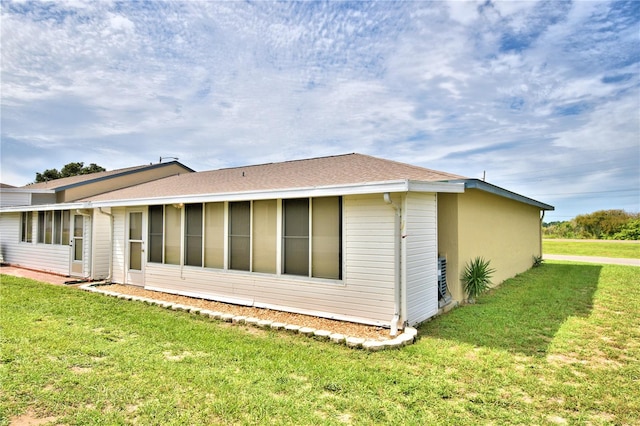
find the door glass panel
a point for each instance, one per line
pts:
(77, 226)
(135, 226)
(135, 241)
(135, 256)
(78, 222)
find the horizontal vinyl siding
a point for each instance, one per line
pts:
(287, 293)
(119, 244)
(366, 293)
(52, 258)
(14, 199)
(101, 245)
(421, 257)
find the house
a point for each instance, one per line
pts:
(349, 237)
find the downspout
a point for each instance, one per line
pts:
(541, 220)
(110, 274)
(397, 275)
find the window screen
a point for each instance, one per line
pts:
(296, 236)
(26, 232)
(239, 235)
(193, 234)
(155, 233)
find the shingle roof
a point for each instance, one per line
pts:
(323, 171)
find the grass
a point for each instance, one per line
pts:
(620, 249)
(557, 344)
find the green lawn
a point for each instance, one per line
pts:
(621, 249)
(560, 343)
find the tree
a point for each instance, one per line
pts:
(71, 169)
(603, 224)
(631, 231)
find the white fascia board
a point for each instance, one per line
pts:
(46, 207)
(28, 191)
(318, 191)
(422, 186)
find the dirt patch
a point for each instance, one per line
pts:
(342, 327)
(30, 419)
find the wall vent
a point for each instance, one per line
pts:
(444, 297)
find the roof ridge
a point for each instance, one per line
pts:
(284, 162)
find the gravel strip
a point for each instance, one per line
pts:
(302, 321)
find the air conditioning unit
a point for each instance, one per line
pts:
(444, 297)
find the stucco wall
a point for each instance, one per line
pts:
(477, 223)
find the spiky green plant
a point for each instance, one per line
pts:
(476, 277)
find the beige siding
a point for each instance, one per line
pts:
(52, 258)
(477, 223)
(420, 257)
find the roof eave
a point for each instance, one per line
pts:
(316, 191)
(496, 190)
(46, 207)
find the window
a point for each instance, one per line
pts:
(193, 235)
(66, 224)
(311, 236)
(156, 234)
(165, 234)
(53, 227)
(57, 227)
(26, 227)
(296, 236)
(324, 242)
(239, 235)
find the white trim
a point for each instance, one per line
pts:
(402, 185)
(28, 191)
(46, 207)
(306, 192)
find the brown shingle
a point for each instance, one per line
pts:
(323, 171)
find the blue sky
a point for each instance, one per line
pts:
(542, 97)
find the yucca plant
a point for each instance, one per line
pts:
(476, 277)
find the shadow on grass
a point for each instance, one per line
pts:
(525, 312)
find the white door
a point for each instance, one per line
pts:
(136, 258)
(77, 246)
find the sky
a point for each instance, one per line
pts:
(538, 97)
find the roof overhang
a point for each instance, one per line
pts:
(27, 191)
(45, 207)
(316, 191)
(496, 190)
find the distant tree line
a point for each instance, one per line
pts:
(601, 225)
(71, 169)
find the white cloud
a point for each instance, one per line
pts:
(507, 87)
